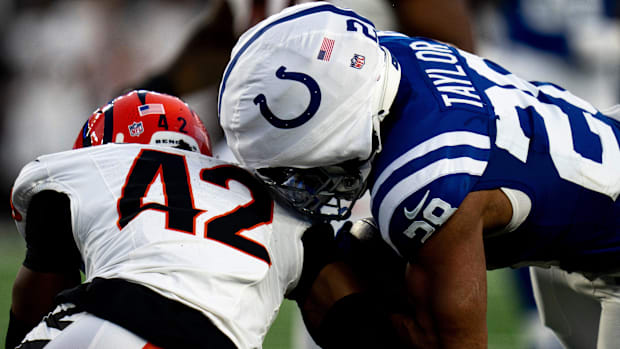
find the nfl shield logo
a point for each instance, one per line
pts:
(358, 61)
(136, 129)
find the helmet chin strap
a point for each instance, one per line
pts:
(386, 93)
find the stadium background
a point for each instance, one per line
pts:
(63, 58)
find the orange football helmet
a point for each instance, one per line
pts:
(146, 117)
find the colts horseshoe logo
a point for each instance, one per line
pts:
(315, 100)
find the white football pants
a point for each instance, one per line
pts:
(583, 313)
(80, 331)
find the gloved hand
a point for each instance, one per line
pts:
(373, 261)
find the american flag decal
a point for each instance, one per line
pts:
(148, 109)
(325, 51)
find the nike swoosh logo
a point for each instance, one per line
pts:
(412, 214)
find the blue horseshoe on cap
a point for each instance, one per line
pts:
(315, 100)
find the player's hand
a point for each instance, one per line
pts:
(374, 262)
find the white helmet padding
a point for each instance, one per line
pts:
(306, 88)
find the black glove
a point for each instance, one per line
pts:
(374, 262)
(319, 250)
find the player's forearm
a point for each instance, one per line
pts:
(340, 313)
(202, 60)
(34, 292)
(334, 282)
(445, 20)
(464, 332)
(17, 330)
(447, 279)
(32, 298)
(459, 313)
(448, 317)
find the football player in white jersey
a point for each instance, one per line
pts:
(178, 249)
(469, 166)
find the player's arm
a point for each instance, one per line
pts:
(444, 20)
(202, 60)
(382, 273)
(447, 279)
(52, 263)
(338, 310)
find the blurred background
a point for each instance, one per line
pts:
(62, 59)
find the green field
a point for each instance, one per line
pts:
(504, 318)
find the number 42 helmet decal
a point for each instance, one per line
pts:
(146, 117)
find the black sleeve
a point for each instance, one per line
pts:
(319, 250)
(49, 237)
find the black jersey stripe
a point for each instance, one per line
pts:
(142, 96)
(108, 127)
(56, 321)
(86, 135)
(35, 344)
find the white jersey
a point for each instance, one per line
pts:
(189, 227)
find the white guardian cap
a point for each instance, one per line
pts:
(301, 102)
(306, 88)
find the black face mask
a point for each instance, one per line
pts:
(325, 193)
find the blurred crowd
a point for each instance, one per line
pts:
(62, 59)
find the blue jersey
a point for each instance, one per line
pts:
(551, 26)
(461, 123)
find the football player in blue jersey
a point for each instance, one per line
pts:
(469, 167)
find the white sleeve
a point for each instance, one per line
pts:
(27, 184)
(521, 207)
(613, 112)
